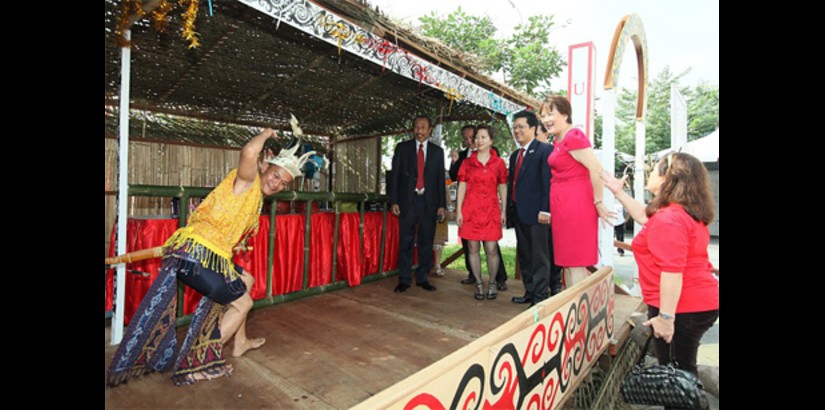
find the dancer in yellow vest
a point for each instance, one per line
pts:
(200, 255)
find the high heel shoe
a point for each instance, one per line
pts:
(479, 292)
(491, 290)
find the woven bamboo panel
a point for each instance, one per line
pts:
(356, 165)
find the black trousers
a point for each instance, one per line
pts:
(501, 276)
(533, 258)
(406, 234)
(555, 270)
(619, 229)
(688, 331)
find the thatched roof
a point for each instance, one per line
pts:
(253, 72)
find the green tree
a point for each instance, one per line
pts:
(528, 59)
(703, 113)
(525, 59)
(464, 32)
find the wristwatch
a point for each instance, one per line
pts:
(666, 316)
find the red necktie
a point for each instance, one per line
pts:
(518, 167)
(419, 184)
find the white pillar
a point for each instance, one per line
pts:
(122, 189)
(678, 119)
(605, 157)
(608, 160)
(639, 172)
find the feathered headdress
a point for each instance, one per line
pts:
(286, 159)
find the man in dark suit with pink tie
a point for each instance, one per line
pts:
(417, 196)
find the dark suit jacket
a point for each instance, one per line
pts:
(533, 185)
(456, 165)
(405, 174)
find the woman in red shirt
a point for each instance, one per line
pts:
(482, 187)
(671, 251)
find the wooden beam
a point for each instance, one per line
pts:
(209, 117)
(168, 142)
(197, 64)
(361, 137)
(457, 254)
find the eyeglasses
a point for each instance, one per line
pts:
(521, 126)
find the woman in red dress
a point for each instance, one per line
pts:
(576, 192)
(482, 187)
(671, 250)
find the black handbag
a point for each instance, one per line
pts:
(663, 385)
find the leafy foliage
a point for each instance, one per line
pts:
(703, 113)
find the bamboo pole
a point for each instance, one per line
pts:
(332, 277)
(383, 238)
(307, 231)
(270, 256)
(361, 232)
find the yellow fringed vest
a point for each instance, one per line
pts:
(218, 224)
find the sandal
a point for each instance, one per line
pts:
(491, 291)
(479, 292)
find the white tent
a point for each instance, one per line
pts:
(706, 149)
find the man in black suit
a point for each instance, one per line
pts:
(417, 196)
(528, 207)
(555, 271)
(467, 133)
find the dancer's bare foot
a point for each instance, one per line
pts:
(240, 348)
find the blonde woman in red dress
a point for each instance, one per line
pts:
(482, 187)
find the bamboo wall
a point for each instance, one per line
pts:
(154, 163)
(356, 165)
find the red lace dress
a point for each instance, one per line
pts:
(480, 209)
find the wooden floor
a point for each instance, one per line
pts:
(337, 349)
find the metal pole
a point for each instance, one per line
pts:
(332, 277)
(307, 227)
(123, 188)
(270, 253)
(383, 239)
(361, 232)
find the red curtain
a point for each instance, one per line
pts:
(254, 261)
(288, 269)
(320, 248)
(288, 266)
(152, 232)
(349, 261)
(391, 245)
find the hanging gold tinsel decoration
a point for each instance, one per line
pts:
(137, 5)
(189, 17)
(160, 19)
(160, 16)
(121, 25)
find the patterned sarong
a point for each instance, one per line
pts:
(150, 340)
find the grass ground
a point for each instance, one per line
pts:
(508, 254)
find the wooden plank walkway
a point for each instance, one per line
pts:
(337, 349)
